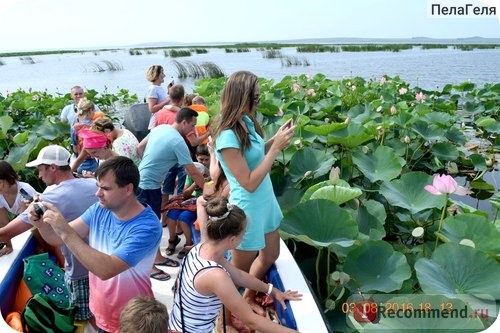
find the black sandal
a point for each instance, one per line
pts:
(171, 245)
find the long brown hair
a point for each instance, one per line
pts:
(238, 99)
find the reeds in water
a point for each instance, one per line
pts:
(27, 60)
(288, 61)
(178, 53)
(107, 65)
(271, 54)
(191, 69)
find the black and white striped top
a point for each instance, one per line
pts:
(200, 311)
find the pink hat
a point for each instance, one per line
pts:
(93, 140)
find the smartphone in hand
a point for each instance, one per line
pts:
(25, 195)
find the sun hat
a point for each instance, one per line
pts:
(93, 140)
(52, 154)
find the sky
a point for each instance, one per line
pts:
(31, 25)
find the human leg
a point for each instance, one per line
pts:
(186, 220)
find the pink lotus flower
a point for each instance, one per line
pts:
(420, 96)
(311, 92)
(309, 76)
(382, 80)
(295, 87)
(393, 110)
(445, 184)
(403, 91)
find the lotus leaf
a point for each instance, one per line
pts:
(458, 269)
(371, 217)
(337, 194)
(6, 123)
(320, 223)
(428, 132)
(375, 265)
(325, 129)
(408, 192)
(383, 164)
(474, 227)
(445, 151)
(350, 137)
(310, 159)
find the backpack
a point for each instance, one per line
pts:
(42, 315)
(43, 275)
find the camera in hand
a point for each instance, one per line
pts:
(39, 208)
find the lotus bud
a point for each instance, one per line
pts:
(298, 143)
(335, 276)
(353, 87)
(365, 149)
(308, 174)
(327, 120)
(334, 175)
(347, 120)
(380, 130)
(467, 242)
(382, 80)
(407, 139)
(489, 162)
(418, 232)
(393, 110)
(344, 278)
(462, 125)
(379, 109)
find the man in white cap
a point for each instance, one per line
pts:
(72, 196)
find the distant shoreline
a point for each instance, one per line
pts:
(388, 44)
(415, 41)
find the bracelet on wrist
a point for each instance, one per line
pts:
(270, 289)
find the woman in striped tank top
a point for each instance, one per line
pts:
(207, 280)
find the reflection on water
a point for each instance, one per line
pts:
(429, 69)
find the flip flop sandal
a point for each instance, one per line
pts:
(171, 245)
(169, 263)
(156, 276)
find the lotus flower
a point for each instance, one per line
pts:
(295, 87)
(382, 80)
(420, 96)
(445, 184)
(393, 110)
(311, 92)
(403, 91)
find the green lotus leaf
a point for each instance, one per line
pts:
(458, 269)
(485, 121)
(315, 187)
(478, 161)
(382, 164)
(445, 151)
(428, 132)
(6, 123)
(337, 194)
(440, 118)
(309, 159)
(408, 192)
(20, 138)
(484, 234)
(320, 223)
(371, 217)
(325, 129)
(350, 137)
(375, 265)
(19, 156)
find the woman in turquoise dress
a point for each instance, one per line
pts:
(247, 160)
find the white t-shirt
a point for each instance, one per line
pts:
(14, 209)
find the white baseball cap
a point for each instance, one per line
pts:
(52, 154)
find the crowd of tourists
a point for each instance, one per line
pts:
(205, 178)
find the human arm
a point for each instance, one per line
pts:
(141, 147)
(154, 106)
(216, 281)
(79, 160)
(72, 235)
(251, 179)
(244, 279)
(13, 228)
(196, 140)
(193, 172)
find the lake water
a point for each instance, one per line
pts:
(428, 69)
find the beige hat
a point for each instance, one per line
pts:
(52, 154)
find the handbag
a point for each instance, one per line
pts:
(42, 275)
(42, 315)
